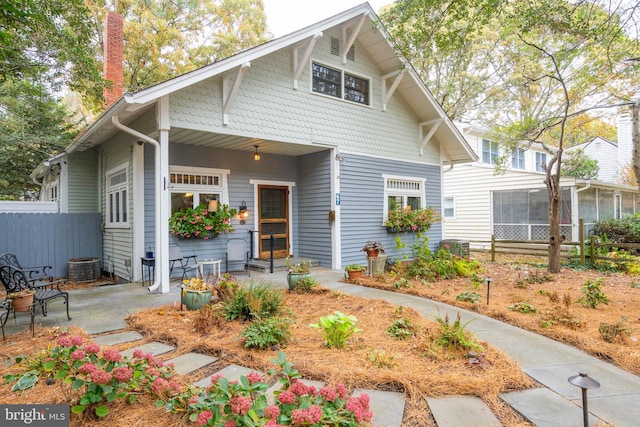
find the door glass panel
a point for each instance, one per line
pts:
(273, 203)
(280, 244)
(274, 227)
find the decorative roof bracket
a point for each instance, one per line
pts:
(352, 38)
(299, 65)
(227, 98)
(424, 141)
(386, 94)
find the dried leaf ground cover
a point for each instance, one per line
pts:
(522, 293)
(371, 359)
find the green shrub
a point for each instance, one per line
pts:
(625, 230)
(467, 296)
(336, 328)
(616, 332)
(401, 329)
(306, 284)
(453, 336)
(443, 264)
(523, 307)
(255, 301)
(266, 333)
(592, 295)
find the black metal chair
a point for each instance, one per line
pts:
(32, 272)
(15, 280)
(176, 260)
(237, 252)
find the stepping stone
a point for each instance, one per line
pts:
(154, 347)
(190, 362)
(118, 338)
(387, 407)
(231, 373)
(544, 408)
(464, 411)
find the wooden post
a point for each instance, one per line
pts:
(592, 255)
(493, 247)
(581, 240)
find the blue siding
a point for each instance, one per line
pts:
(362, 201)
(314, 200)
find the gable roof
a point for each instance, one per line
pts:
(594, 140)
(372, 36)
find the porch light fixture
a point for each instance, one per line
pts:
(585, 382)
(243, 212)
(256, 155)
(488, 280)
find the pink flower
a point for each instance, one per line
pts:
(230, 423)
(342, 391)
(87, 368)
(287, 397)
(214, 378)
(76, 340)
(203, 418)
(112, 355)
(99, 376)
(272, 412)
(65, 341)
(122, 373)
(254, 377)
(78, 355)
(240, 404)
(360, 408)
(329, 393)
(137, 353)
(310, 416)
(159, 386)
(92, 348)
(301, 389)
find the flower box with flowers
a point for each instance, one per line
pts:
(413, 221)
(199, 223)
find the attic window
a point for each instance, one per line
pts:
(340, 84)
(335, 49)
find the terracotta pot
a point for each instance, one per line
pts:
(372, 253)
(354, 274)
(22, 303)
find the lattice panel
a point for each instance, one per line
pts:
(511, 232)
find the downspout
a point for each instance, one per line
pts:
(156, 144)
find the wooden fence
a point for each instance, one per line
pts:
(51, 238)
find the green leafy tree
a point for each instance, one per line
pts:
(580, 165)
(33, 126)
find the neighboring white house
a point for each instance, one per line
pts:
(341, 124)
(479, 203)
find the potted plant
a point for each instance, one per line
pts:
(297, 272)
(196, 292)
(373, 249)
(354, 271)
(200, 223)
(21, 300)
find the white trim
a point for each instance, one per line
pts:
(398, 159)
(453, 198)
(336, 236)
(290, 185)
(138, 210)
(422, 193)
(117, 170)
(222, 188)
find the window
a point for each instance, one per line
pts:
(517, 159)
(337, 83)
(400, 192)
(541, 162)
(448, 207)
(489, 152)
(117, 202)
(191, 187)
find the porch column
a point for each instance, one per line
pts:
(138, 210)
(336, 236)
(163, 202)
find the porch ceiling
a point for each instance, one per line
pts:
(237, 142)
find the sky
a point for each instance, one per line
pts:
(286, 16)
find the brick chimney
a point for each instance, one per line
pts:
(113, 39)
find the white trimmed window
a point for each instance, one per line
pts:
(489, 152)
(517, 159)
(541, 161)
(449, 207)
(192, 186)
(400, 192)
(340, 84)
(117, 201)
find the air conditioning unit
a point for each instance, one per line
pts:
(456, 247)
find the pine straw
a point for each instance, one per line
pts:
(415, 373)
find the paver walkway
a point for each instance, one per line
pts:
(556, 403)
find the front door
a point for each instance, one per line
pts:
(273, 218)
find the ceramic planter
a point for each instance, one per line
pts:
(195, 299)
(22, 303)
(292, 278)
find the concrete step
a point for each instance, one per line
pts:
(154, 347)
(544, 408)
(387, 407)
(462, 411)
(117, 338)
(190, 362)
